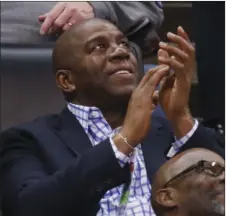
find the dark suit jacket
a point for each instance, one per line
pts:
(49, 167)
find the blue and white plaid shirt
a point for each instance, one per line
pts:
(97, 129)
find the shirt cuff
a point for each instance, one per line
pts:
(179, 143)
(122, 158)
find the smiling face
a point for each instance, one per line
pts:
(207, 193)
(104, 66)
(190, 183)
(202, 193)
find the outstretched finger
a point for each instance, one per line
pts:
(183, 44)
(61, 20)
(42, 18)
(183, 34)
(51, 17)
(174, 63)
(74, 19)
(175, 51)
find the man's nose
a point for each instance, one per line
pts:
(119, 54)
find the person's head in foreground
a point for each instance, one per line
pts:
(190, 184)
(101, 68)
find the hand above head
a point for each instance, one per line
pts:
(175, 88)
(63, 15)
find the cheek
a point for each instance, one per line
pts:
(205, 184)
(134, 61)
(94, 70)
(207, 187)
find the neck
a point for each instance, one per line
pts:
(176, 214)
(193, 213)
(113, 111)
(114, 118)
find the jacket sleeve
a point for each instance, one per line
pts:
(205, 138)
(139, 21)
(29, 188)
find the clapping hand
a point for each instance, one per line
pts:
(175, 88)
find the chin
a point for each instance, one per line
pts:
(121, 87)
(124, 91)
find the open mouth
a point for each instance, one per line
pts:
(122, 72)
(126, 70)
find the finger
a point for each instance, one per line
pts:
(70, 23)
(41, 18)
(149, 73)
(155, 99)
(183, 34)
(162, 53)
(167, 83)
(61, 20)
(173, 50)
(155, 78)
(51, 17)
(75, 19)
(185, 45)
(172, 62)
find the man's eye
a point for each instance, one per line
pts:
(125, 43)
(100, 46)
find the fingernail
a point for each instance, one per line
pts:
(161, 58)
(42, 32)
(162, 44)
(180, 27)
(170, 34)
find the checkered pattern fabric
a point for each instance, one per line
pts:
(97, 129)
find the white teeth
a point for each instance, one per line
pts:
(123, 72)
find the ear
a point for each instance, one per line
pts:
(64, 81)
(167, 197)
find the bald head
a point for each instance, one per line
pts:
(68, 44)
(180, 162)
(84, 59)
(197, 194)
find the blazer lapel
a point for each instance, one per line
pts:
(153, 149)
(72, 133)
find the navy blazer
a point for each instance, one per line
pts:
(50, 168)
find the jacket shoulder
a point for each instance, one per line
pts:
(38, 125)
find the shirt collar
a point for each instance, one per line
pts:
(85, 114)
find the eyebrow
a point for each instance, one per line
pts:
(97, 37)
